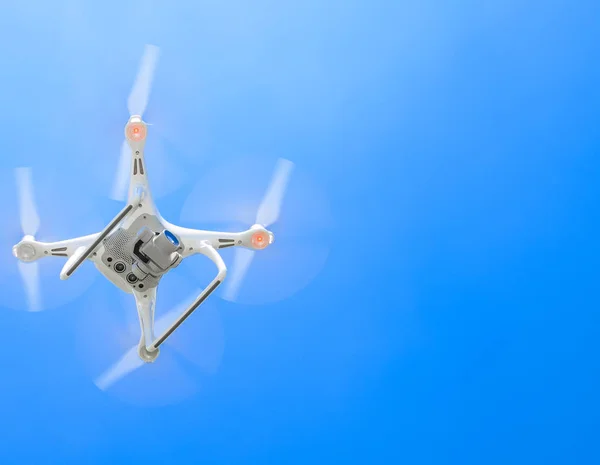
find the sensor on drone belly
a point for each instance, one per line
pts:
(136, 257)
(138, 247)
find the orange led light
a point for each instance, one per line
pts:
(136, 132)
(260, 240)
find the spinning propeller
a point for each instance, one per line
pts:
(268, 213)
(30, 223)
(29, 283)
(136, 104)
(108, 337)
(232, 197)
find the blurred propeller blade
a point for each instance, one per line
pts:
(30, 223)
(268, 211)
(166, 175)
(241, 263)
(131, 360)
(140, 93)
(128, 363)
(30, 220)
(136, 104)
(31, 281)
(119, 191)
(31, 286)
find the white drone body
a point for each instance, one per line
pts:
(138, 246)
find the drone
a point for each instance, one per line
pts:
(138, 247)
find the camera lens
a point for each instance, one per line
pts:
(131, 278)
(172, 238)
(120, 267)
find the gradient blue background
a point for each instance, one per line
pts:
(456, 320)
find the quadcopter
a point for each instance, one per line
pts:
(138, 247)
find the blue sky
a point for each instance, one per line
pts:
(445, 200)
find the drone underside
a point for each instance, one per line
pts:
(138, 247)
(138, 256)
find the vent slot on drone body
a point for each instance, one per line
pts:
(59, 252)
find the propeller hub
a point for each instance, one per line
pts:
(24, 252)
(260, 239)
(135, 131)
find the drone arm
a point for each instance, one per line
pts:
(193, 238)
(30, 250)
(206, 249)
(65, 248)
